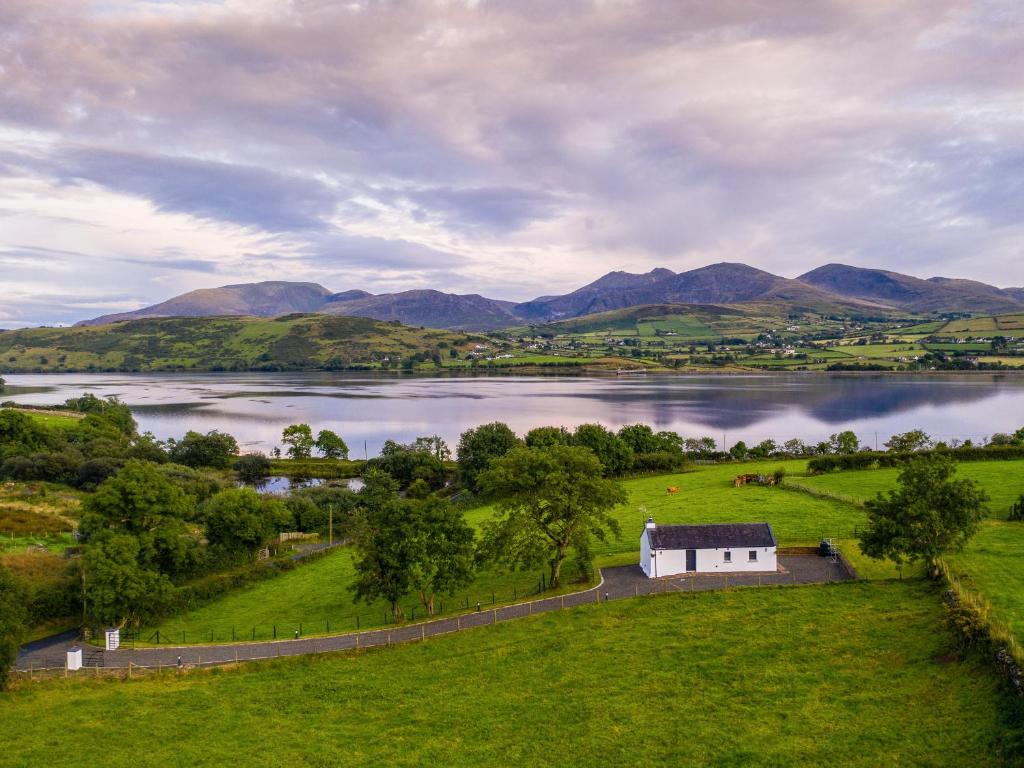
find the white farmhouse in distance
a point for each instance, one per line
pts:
(669, 550)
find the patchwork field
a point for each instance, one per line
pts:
(993, 564)
(859, 672)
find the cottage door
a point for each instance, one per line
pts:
(691, 560)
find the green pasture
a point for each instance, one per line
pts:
(316, 598)
(993, 564)
(1002, 480)
(855, 674)
(319, 592)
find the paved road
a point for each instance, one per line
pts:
(616, 584)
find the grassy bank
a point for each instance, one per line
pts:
(854, 674)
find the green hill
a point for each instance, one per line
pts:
(301, 341)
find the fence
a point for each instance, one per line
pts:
(294, 629)
(159, 660)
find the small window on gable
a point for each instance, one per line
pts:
(728, 556)
(752, 555)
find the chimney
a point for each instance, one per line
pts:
(650, 523)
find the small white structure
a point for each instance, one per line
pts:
(74, 659)
(668, 550)
(113, 639)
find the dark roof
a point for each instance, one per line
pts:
(714, 536)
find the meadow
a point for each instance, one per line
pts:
(1002, 480)
(856, 674)
(319, 592)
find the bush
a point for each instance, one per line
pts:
(1017, 510)
(252, 468)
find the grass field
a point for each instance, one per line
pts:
(1002, 480)
(855, 674)
(993, 564)
(317, 598)
(319, 591)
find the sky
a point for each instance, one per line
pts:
(512, 149)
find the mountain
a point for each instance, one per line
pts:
(427, 308)
(831, 289)
(938, 294)
(724, 283)
(267, 299)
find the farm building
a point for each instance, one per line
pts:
(667, 550)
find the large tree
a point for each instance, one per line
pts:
(908, 442)
(614, 454)
(929, 514)
(446, 550)
(239, 520)
(548, 499)
(299, 439)
(409, 546)
(330, 445)
(385, 544)
(479, 447)
(119, 587)
(214, 449)
(139, 500)
(12, 622)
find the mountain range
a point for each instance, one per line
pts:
(832, 289)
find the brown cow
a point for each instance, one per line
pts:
(672, 489)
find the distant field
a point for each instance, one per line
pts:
(58, 419)
(851, 671)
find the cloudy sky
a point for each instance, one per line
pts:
(511, 149)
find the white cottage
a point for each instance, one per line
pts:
(668, 550)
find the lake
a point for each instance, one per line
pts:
(367, 409)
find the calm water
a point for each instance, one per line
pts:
(367, 409)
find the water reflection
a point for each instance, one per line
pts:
(367, 409)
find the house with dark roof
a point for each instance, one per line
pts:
(669, 550)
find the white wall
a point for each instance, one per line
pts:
(645, 554)
(673, 561)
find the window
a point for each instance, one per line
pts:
(752, 556)
(728, 557)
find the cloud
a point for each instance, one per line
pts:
(510, 148)
(241, 194)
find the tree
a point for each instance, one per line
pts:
(909, 442)
(544, 437)
(478, 447)
(434, 445)
(549, 499)
(331, 445)
(764, 449)
(1017, 510)
(13, 616)
(739, 451)
(385, 544)
(929, 514)
(844, 442)
(20, 434)
(445, 554)
(119, 589)
(239, 520)
(252, 467)
(299, 439)
(140, 501)
(215, 449)
(615, 456)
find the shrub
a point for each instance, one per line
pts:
(1017, 510)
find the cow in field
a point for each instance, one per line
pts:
(672, 489)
